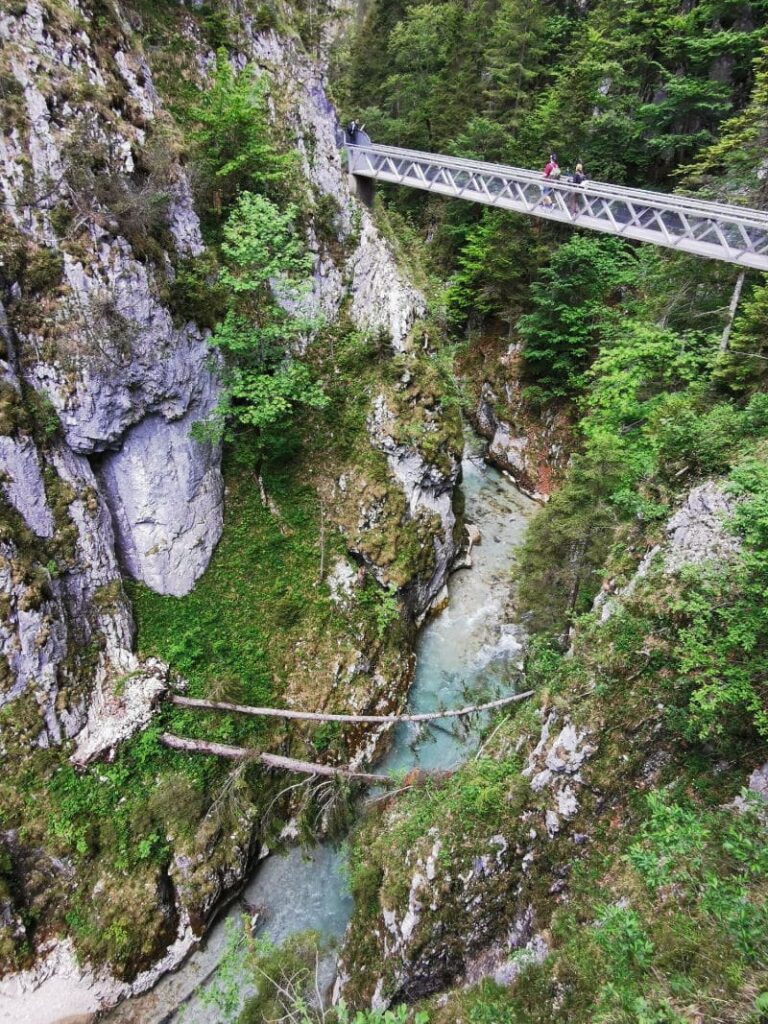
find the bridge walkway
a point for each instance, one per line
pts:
(719, 231)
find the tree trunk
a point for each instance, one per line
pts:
(317, 716)
(271, 760)
(726, 337)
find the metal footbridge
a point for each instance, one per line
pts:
(719, 231)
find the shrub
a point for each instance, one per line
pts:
(264, 385)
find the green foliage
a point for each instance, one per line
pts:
(722, 636)
(233, 141)
(196, 293)
(744, 368)
(264, 272)
(286, 979)
(383, 603)
(711, 861)
(570, 300)
(258, 593)
(493, 269)
(559, 564)
(467, 806)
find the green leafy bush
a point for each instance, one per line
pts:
(264, 277)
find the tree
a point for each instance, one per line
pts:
(744, 367)
(265, 275)
(515, 58)
(560, 561)
(421, 84)
(233, 140)
(493, 268)
(569, 300)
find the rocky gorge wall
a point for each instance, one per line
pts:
(102, 380)
(463, 882)
(532, 444)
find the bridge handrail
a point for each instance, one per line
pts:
(661, 200)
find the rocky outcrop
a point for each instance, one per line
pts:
(101, 346)
(530, 446)
(23, 483)
(62, 595)
(429, 491)
(466, 911)
(696, 534)
(365, 272)
(166, 496)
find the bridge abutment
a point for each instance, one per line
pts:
(363, 188)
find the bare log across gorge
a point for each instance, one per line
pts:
(318, 716)
(271, 760)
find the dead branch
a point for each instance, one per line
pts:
(317, 716)
(271, 760)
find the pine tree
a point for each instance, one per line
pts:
(515, 59)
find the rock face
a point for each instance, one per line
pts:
(165, 492)
(106, 354)
(125, 381)
(102, 380)
(695, 534)
(381, 298)
(527, 445)
(466, 911)
(429, 493)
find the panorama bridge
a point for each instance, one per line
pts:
(719, 231)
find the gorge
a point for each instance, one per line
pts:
(236, 464)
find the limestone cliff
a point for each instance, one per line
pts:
(103, 377)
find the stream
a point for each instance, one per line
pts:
(467, 653)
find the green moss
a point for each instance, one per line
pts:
(60, 494)
(13, 252)
(62, 218)
(12, 414)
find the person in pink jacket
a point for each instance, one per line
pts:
(551, 172)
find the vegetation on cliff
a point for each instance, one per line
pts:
(647, 898)
(123, 845)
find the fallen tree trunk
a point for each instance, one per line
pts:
(318, 716)
(271, 760)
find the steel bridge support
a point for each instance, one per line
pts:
(718, 231)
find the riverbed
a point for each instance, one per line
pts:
(469, 652)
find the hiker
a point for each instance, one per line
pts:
(577, 178)
(352, 129)
(551, 173)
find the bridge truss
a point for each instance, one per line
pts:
(718, 231)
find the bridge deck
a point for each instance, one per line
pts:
(718, 231)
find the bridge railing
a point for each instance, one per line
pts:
(715, 230)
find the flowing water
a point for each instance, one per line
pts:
(466, 654)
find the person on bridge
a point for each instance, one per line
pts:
(551, 172)
(577, 178)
